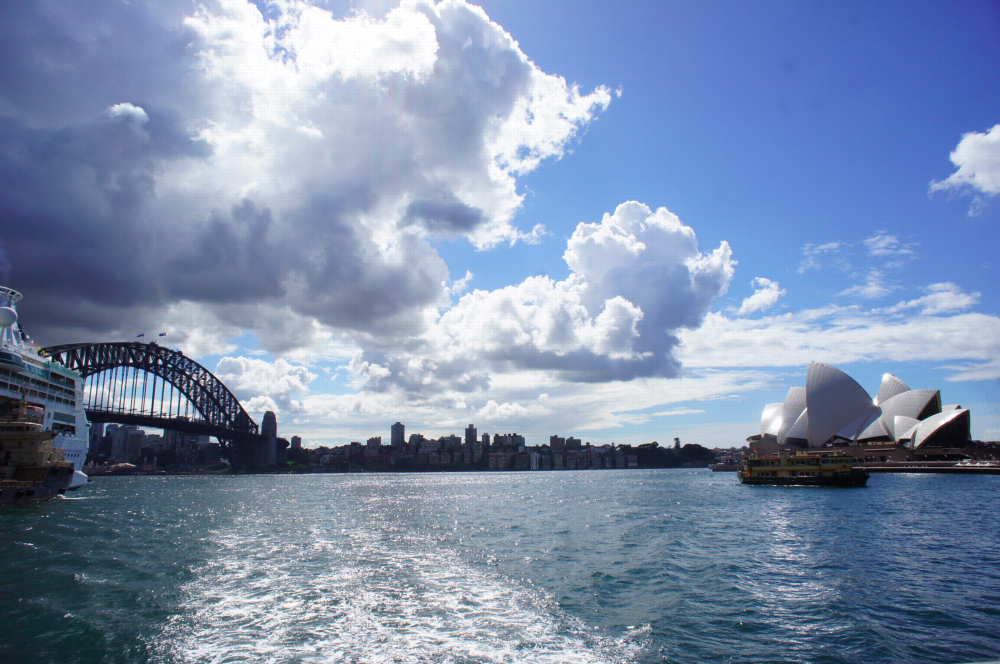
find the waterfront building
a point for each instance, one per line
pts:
(296, 442)
(470, 434)
(833, 410)
(398, 436)
(154, 440)
(210, 453)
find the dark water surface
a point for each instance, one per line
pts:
(586, 566)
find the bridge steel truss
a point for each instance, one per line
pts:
(221, 413)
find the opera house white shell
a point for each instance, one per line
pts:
(834, 408)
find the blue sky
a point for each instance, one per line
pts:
(286, 189)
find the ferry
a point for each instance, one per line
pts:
(32, 468)
(49, 387)
(816, 468)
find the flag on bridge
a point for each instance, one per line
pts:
(140, 335)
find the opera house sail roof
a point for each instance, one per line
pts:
(834, 408)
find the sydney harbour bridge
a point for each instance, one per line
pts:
(149, 385)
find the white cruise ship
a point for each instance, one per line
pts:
(45, 384)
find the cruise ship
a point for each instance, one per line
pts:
(46, 385)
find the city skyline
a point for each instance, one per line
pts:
(629, 224)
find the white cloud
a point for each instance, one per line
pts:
(369, 136)
(513, 403)
(493, 413)
(134, 115)
(941, 298)
(841, 335)
(264, 385)
(873, 288)
(766, 295)
(977, 157)
(678, 411)
(812, 255)
(459, 286)
(883, 244)
(636, 278)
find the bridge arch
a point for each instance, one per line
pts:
(221, 413)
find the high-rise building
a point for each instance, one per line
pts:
(296, 442)
(470, 434)
(398, 434)
(135, 442)
(269, 430)
(119, 442)
(96, 433)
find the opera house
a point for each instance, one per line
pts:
(832, 410)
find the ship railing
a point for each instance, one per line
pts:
(22, 419)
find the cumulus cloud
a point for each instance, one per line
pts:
(977, 157)
(637, 277)
(245, 161)
(765, 295)
(264, 385)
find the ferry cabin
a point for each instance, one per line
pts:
(813, 467)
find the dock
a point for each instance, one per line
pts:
(947, 467)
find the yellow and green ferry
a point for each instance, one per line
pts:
(816, 468)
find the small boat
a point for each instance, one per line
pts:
(724, 466)
(815, 468)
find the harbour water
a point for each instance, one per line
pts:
(602, 566)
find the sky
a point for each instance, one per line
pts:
(625, 222)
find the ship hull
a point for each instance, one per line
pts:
(32, 485)
(852, 478)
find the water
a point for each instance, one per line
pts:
(587, 566)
